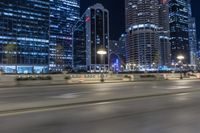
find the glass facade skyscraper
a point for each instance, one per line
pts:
(35, 34)
(179, 24)
(24, 39)
(192, 37)
(90, 34)
(63, 15)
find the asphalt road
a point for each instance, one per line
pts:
(166, 114)
(178, 113)
(71, 92)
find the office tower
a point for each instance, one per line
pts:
(63, 16)
(79, 45)
(164, 34)
(36, 34)
(192, 37)
(91, 34)
(179, 23)
(192, 41)
(24, 36)
(142, 25)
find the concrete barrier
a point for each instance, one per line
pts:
(10, 80)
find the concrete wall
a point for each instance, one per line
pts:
(9, 80)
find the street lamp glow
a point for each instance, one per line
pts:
(180, 57)
(101, 52)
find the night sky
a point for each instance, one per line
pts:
(117, 20)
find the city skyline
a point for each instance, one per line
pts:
(117, 19)
(148, 24)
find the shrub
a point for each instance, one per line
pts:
(147, 76)
(67, 77)
(20, 78)
(102, 80)
(127, 76)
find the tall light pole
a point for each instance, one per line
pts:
(102, 52)
(181, 58)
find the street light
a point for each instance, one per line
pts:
(180, 58)
(102, 52)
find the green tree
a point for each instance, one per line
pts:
(156, 58)
(59, 53)
(10, 53)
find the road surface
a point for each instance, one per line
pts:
(174, 113)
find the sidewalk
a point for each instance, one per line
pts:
(75, 99)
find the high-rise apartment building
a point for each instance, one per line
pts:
(164, 34)
(63, 15)
(142, 26)
(179, 32)
(91, 34)
(24, 36)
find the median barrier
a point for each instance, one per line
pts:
(10, 80)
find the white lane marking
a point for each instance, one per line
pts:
(182, 94)
(179, 87)
(67, 96)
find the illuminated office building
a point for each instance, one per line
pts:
(192, 37)
(179, 24)
(36, 35)
(91, 34)
(63, 15)
(24, 38)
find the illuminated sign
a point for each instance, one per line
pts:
(87, 19)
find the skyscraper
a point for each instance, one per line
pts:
(179, 24)
(192, 37)
(164, 33)
(63, 16)
(142, 25)
(24, 38)
(36, 35)
(90, 34)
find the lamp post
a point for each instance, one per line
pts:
(102, 52)
(180, 58)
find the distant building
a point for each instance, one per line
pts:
(117, 52)
(142, 26)
(179, 24)
(122, 44)
(192, 37)
(164, 34)
(115, 59)
(90, 34)
(198, 49)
